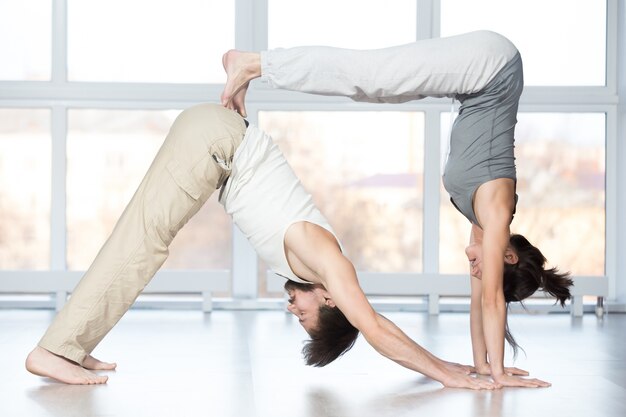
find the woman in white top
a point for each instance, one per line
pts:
(483, 70)
(208, 148)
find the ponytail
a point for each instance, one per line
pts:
(557, 285)
(522, 279)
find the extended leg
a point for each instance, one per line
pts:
(181, 178)
(462, 64)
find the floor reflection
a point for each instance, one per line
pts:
(61, 400)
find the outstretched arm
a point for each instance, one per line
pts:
(479, 347)
(339, 278)
(315, 255)
(493, 208)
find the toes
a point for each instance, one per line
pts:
(94, 364)
(95, 380)
(240, 106)
(105, 366)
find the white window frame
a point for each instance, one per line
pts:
(251, 30)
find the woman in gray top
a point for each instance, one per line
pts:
(483, 70)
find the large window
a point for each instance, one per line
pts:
(346, 23)
(365, 172)
(89, 89)
(108, 152)
(561, 42)
(25, 28)
(149, 41)
(24, 189)
(560, 160)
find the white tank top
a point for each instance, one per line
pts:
(264, 197)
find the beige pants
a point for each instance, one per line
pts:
(192, 163)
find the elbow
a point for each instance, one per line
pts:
(492, 301)
(338, 268)
(376, 333)
(371, 327)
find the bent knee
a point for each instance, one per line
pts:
(206, 112)
(495, 43)
(208, 122)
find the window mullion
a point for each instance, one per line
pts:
(427, 23)
(58, 167)
(430, 228)
(59, 41)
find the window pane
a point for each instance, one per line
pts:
(25, 33)
(560, 161)
(365, 171)
(108, 153)
(346, 23)
(148, 41)
(24, 189)
(561, 42)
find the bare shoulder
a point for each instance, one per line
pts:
(307, 234)
(494, 201)
(311, 251)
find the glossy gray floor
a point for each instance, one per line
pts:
(247, 364)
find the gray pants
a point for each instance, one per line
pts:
(482, 69)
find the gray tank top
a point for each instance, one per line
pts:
(482, 138)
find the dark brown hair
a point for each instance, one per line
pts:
(522, 279)
(332, 337)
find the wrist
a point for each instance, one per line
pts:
(497, 371)
(480, 362)
(482, 368)
(441, 373)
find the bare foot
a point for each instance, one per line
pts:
(94, 364)
(44, 363)
(240, 67)
(238, 102)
